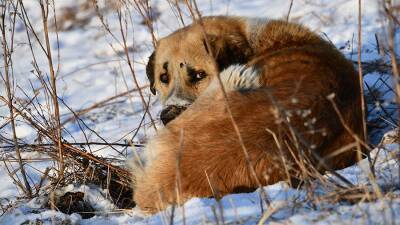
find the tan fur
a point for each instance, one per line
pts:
(292, 70)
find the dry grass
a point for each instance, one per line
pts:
(76, 163)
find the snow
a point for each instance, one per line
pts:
(92, 68)
(286, 205)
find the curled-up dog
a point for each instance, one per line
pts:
(245, 105)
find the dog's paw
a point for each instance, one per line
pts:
(238, 78)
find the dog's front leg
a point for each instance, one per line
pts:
(155, 183)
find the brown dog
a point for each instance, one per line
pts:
(275, 115)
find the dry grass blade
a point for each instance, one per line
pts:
(120, 176)
(6, 60)
(44, 6)
(360, 77)
(123, 29)
(99, 105)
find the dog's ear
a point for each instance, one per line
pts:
(228, 49)
(150, 72)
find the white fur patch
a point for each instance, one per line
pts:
(174, 100)
(238, 78)
(144, 157)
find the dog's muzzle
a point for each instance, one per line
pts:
(170, 113)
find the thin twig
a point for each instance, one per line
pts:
(290, 9)
(73, 144)
(99, 104)
(6, 59)
(360, 77)
(58, 139)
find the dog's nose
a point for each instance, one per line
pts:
(170, 113)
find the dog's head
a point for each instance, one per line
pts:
(185, 62)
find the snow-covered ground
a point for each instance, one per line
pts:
(285, 205)
(92, 68)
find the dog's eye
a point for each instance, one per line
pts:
(200, 75)
(164, 78)
(195, 75)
